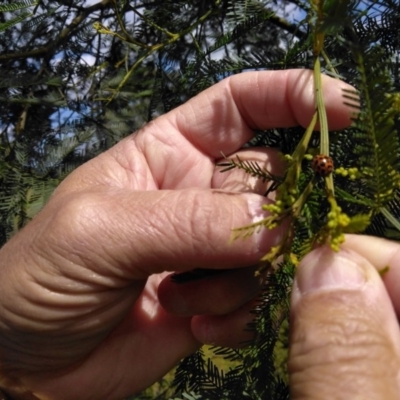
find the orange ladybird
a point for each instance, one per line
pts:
(322, 164)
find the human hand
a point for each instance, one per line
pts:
(345, 341)
(80, 316)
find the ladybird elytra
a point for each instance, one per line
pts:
(322, 164)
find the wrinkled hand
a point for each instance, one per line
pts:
(81, 285)
(345, 341)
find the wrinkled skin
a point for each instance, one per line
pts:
(345, 339)
(88, 310)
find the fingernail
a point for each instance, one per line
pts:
(325, 269)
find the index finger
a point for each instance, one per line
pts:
(223, 117)
(178, 150)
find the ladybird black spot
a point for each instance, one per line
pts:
(322, 164)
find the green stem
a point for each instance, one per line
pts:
(128, 74)
(330, 187)
(128, 37)
(299, 203)
(301, 148)
(323, 121)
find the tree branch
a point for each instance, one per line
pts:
(287, 26)
(62, 37)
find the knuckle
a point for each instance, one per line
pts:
(70, 223)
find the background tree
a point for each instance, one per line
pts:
(77, 76)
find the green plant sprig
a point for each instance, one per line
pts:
(292, 203)
(253, 169)
(289, 202)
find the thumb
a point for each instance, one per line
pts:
(344, 333)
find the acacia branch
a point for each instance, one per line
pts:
(62, 37)
(287, 26)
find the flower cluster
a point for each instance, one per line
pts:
(352, 173)
(336, 226)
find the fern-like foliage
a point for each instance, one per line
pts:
(253, 169)
(376, 137)
(75, 78)
(17, 5)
